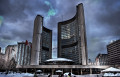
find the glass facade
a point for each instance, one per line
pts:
(69, 41)
(72, 38)
(46, 38)
(46, 52)
(68, 31)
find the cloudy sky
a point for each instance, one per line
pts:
(102, 18)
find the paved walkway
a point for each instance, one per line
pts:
(91, 75)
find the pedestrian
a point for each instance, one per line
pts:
(35, 75)
(69, 75)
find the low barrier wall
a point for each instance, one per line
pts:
(89, 75)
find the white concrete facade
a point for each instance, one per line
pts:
(35, 53)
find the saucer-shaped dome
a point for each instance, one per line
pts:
(59, 61)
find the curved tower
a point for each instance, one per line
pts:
(46, 52)
(36, 44)
(72, 38)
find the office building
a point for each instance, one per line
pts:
(72, 38)
(10, 52)
(101, 59)
(46, 52)
(113, 50)
(24, 53)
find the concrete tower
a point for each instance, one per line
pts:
(82, 33)
(36, 45)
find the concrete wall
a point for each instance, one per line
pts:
(90, 75)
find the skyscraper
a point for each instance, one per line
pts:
(42, 42)
(72, 38)
(46, 52)
(113, 50)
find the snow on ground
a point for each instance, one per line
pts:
(15, 74)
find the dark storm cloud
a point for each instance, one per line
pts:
(111, 17)
(19, 9)
(104, 25)
(12, 11)
(18, 19)
(101, 19)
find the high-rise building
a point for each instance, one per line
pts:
(24, 53)
(10, 52)
(101, 59)
(113, 50)
(42, 42)
(72, 38)
(46, 52)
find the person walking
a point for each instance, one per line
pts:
(69, 75)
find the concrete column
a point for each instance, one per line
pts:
(71, 70)
(62, 71)
(90, 70)
(78, 71)
(81, 71)
(43, 70)
(35, 53)
(35, 70)
(26, 70)
(53, 71)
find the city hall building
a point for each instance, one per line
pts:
(72, 48)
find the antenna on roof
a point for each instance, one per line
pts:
(62, 17)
